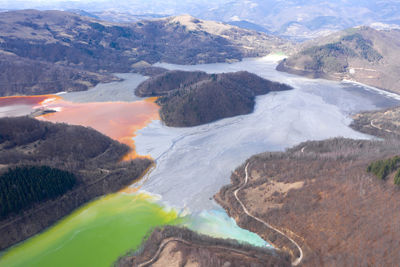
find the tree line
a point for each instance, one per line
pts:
(382, 168)
(21, 187)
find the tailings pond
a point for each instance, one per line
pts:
(192, 164)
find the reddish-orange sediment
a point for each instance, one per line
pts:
(118, 120)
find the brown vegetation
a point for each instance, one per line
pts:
(57, 39)
(383, 123)
(92, 157)
(360, 54)
(321, 195)
(195, 98)
(170, 81)
(21, 76)
(183, 247)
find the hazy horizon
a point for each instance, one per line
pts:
(296, 19)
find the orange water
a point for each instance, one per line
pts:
(118, 120)
(102, 230)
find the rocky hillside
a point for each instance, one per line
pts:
(89, 156)
(89, 45)
(359, 54)
(195, 98)
(325, 197)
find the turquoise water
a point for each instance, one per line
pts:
(217, 223)
(104, 229)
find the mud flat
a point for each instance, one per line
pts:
(109, 92)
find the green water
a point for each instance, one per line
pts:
(94, 235)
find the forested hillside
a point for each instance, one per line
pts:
(195, 98)
(47, 170)
(360, 54)
(21, 187)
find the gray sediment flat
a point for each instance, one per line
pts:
(123, 91)
(15, 110)
(194, 163)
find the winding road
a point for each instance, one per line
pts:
(300, 258)
(176, 239)
(380, 128)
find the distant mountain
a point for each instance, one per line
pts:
(86, 44)
(248, 25)
(125, 17)
(83, 13)
(195, 98)
(297, 19)
(359, 54)
(300, 19)
(116, 16)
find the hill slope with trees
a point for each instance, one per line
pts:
(326, 197)
(47, 170)
(21, 187)
(195, 98)
(359, 54)
(88, 50)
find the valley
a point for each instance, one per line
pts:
(167, 145)
(143, 125)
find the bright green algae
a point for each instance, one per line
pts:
(94, 235)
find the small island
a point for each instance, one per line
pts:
(196, 98)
